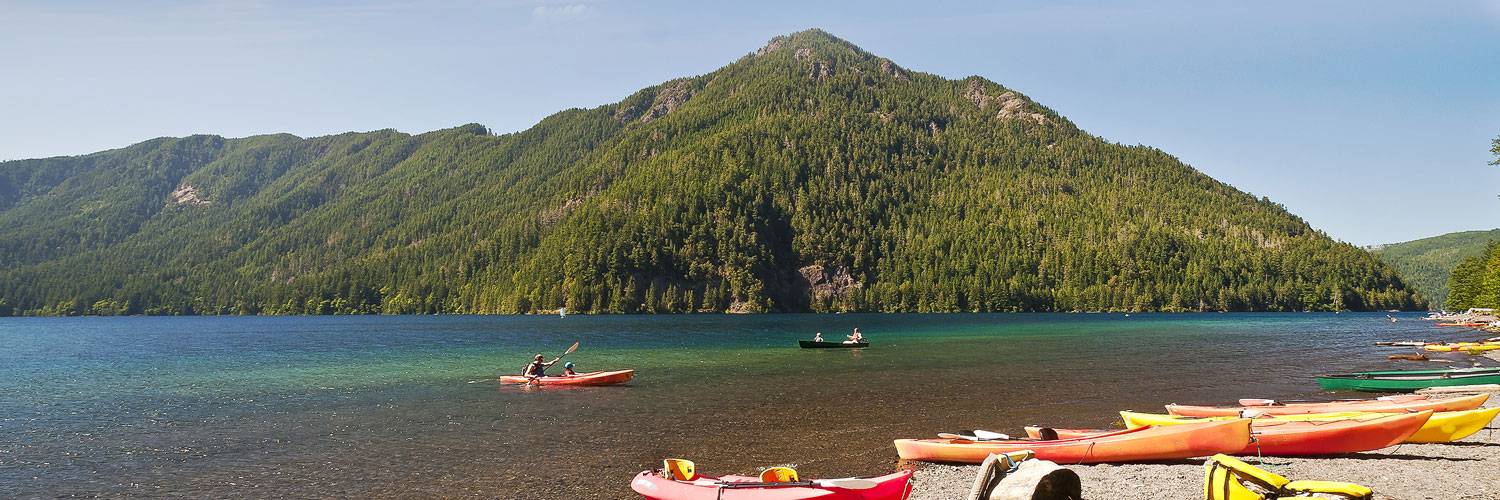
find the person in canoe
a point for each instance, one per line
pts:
(818, 337)
(538, 367)
(855, 338)
(568, 369)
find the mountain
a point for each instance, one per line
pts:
(1426, 264)
(809, 175)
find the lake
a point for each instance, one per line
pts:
(408, 405)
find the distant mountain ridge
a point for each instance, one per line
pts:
(809, 175)
(1427, 263)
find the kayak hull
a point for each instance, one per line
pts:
(808, 344)
(582, 379)
(1406, 381)
(1442, 427)
(651, 485)
(1135, 445)
(1291, 438)
(1452, 426)
(1295, 438)
(1370, 405)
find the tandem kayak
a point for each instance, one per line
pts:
(1133, 445)
(651, 485)
(590, 378)
(1291, 438)
(1442, 427)
(1368, 405)
(808, 344)
(1409, 380)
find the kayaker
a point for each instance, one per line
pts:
(538, 368)
(855, 338)
(568, 369)
(818, 337)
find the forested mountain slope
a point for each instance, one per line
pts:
(1475, 281)
(809, 175)
(1426, 264)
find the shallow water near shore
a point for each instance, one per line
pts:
(358, 406)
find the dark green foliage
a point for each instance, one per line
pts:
(1476, 281)
(808, 176)
(1426, 264)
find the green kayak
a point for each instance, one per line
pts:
(1408, 380)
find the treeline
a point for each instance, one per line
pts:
(809, 176)
(1476, 281)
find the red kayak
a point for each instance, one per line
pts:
(1369, 405)
(1290, 438)
(1141, 444)
(590, 378)
(651, 485)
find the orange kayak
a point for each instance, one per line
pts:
(651, 485)
(1369, 405)
(1134, 445)
(590, 378)
(1287, 438)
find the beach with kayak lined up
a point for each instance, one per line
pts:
(1460, 470)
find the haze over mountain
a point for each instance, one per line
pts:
(808, 175)
(1427, 264)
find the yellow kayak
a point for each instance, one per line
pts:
(1469, 347)
(1443, 427)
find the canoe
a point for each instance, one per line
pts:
(1292, 438)
(1442, 427)
(1368, 405)
(651, 485)
(1466, 323)
(1409, 380)
(1174, 442)
(808, 344)
(590, 378)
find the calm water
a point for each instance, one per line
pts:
(359, 406)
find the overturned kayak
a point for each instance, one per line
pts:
(590, 378)
(1442, 427)
(808, 344)
(651, 484)
(1134, 445)
(1409, 380)
(1368, 405)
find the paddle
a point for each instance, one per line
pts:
(571, 348)
(852, 483)
(978, 435)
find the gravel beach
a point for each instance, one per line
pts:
(1466, 470)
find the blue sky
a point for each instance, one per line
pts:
(1370, 119)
